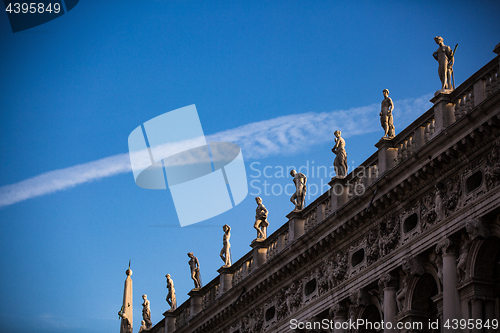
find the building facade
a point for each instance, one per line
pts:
(407, 242)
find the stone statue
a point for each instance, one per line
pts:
(194, 264)
(146, 312)
(143, 326)
(225, 253)
(439, 209)
(299, 197)
(386, 115)
(444, 56)
(261, 222)
(476, 229)
(171, 293)
(462, 259)
(340, 162)
(127, 326)
(401, 295)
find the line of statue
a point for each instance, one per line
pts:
(261, 222)
(194, 265)
(171, 293)
(225, 253)
(340, 162)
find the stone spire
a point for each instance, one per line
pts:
(126, 311)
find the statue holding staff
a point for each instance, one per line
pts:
(445, 59)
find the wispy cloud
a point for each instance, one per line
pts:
(286, 135)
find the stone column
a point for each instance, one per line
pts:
(226, 279)
(295, 225)
(489, 312)
(339, 192)
(339, 318)
(387, 155)
(170, 319)
(451, 299)
(388, 282)
(195, 302)
(259, 253)
(477, 311)
(444, 112)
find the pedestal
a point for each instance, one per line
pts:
(170, 319)
(259, 253)
(226, 278)
(195, 302)
(444, 111)
(295, 225)
(339, 192)
(387, 155)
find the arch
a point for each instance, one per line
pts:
(425, 288)
(430, 269)
(482, 258)
(371, 314)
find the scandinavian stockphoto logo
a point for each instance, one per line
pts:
(26, 15)
(205, 179)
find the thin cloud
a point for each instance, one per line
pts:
(285, 135)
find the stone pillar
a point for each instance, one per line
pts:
(387, 155)
(226, 279)
(451, 299)
(339, 192)
(127, 303)
(479, 91)
(170, 319)
(477, 311)
(195, 302)
(444, 112)
(489, 312)
(339, 318)
(259, 253)
(388, 282)
(295, 225)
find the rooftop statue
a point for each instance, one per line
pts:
(261, 222)
(194, 265)
(386, 115)
(225, 253)
(171, 293)
(445, 57)
(146, 311)
(340, 162)
(299, 197)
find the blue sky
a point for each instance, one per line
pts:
(277, 78)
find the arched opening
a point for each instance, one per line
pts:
(423, 308)
(487, 274)
(474, 181)
(373, 319)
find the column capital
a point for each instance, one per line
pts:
(387, 281)
(446, 246)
